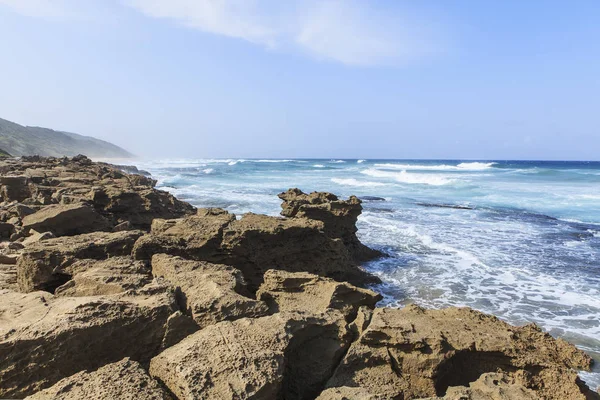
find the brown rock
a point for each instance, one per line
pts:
(253, 245)
(41, 264)
(6, 229)
(124, 380)
(37, 237)
(339, 217)
(280, 356)
(101, 277)
(412, 353)
(14, 188)
(350, 393)
(62, 220)
(8, 278)
(44, 338)
(304, 292)
(491, 386)
(209, 292)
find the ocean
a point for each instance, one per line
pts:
(517, 239)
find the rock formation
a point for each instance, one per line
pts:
(111, 289)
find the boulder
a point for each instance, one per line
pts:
(210, 293)
(14, 188)
(286, 355)
(413, 353)
(253, 244)
(339, 217)
(123, 380)
(196, 237)
(102, 277)
(44, 338)
(41, 265)
(62, 220)
(301, 291)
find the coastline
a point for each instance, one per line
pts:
(128, 258)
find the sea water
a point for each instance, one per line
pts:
(517, 239)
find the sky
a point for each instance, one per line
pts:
(403, 79)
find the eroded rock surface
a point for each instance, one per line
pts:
(210, 293)
(286, 355)
(44, 265)
(301, 291)
(44, 338)
(123, 380)
(253, 244)
(34, 183)
(413, 353)
(339, 217)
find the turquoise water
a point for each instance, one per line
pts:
(518, 239)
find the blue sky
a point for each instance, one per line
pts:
(309, 78)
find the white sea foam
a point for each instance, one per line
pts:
(208, 170)
(355, 182)
(272, 161)
(470, 166)
(405, 177)
(337, 161)
(361, 161)
(319, 166)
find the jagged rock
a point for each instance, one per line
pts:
(41, 264)
(6, 229)
(178, 327)
(209, 292)
(123, 226)
(117, 196)
(44, 338)
(14, 188)
(37, 237)
(101, 277)
(339, 217)
(413, 352)
(196, 237)
(62, 220)
(123, 380)
(491, 386)
(253, 244)
(286, 355)
(304, 292)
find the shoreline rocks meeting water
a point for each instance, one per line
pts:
(112, 289)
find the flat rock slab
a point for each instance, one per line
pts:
(418, 353)
(285, 355)
(209, 292)
(44, 338)
(123, 380)
(301, 291)
(102, 277)
(41, 265)
(69, 219)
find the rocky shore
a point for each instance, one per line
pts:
(112, 289)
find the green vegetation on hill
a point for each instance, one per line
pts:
(4, 154)
(21, 140)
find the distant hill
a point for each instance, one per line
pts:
(4, 154)
(21, 140)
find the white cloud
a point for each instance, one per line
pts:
(348, 31)
(352, 32)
